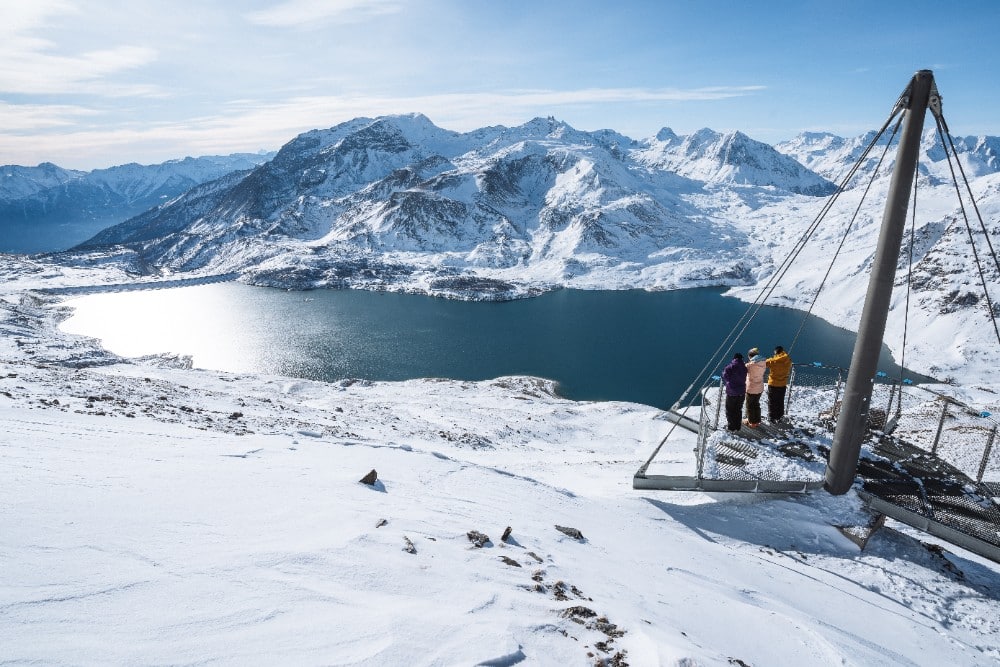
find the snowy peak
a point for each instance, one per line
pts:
(48, 192)
(834, 156)
(18, 182)
(730, 158)
(980, 155)
(547, 128)
(667, 136)
(47, 208)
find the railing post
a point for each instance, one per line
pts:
(718, 406)
(791, 383)
(836, 396)
(986, 454)
(937, 436)
(892, 395)
(892, 420)
(702, 434)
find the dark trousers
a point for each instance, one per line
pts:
(753, 408)
(775, 402)
(734, 412)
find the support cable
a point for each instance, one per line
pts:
(909, 278)
(645, 466)
(968, 227)
(968, 188)
(751, 312)
(843, 238)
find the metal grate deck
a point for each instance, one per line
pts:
(897, 479)
(925, 492)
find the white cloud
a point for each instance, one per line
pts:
(30, 64)
(248, 125)
(31, 117)
(309, 13)
(20, 17)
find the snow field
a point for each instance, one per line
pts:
(190, 536)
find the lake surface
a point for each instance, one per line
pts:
(41, 236)
(639, 346)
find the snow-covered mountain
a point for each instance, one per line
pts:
(17, 182)
(833, 156)
(399, 203)
(730, 158)
(58, 208)
(542, 197)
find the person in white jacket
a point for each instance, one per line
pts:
(755, 387)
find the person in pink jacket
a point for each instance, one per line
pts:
(755, 387)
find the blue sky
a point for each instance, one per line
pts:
(103, 82)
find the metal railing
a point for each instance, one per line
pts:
(962, 435)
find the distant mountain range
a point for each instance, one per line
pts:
(830, 155)
(51, 208)
(398, 203)
(539, 195)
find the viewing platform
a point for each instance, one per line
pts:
(928, 461)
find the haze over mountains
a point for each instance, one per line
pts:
(399, 203)
(47, 207)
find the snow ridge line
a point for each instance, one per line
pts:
(142, 285)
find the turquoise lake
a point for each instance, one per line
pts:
(634, 345)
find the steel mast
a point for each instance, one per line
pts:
(851, 423)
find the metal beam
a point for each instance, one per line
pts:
(851, 423)
(681, 483)
(681, 420)
(927, 525)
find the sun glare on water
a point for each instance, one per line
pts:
(134, 324)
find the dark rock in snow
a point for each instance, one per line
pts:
(479, 540)
(578, 612)
(370, 478)
(572, 532)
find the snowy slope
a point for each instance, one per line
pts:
(156, 514)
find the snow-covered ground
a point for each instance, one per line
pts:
(157, 514)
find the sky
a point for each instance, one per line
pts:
(91, 84)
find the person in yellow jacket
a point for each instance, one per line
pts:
(779, 370)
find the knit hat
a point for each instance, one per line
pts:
(754, 352)
(737, 356)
